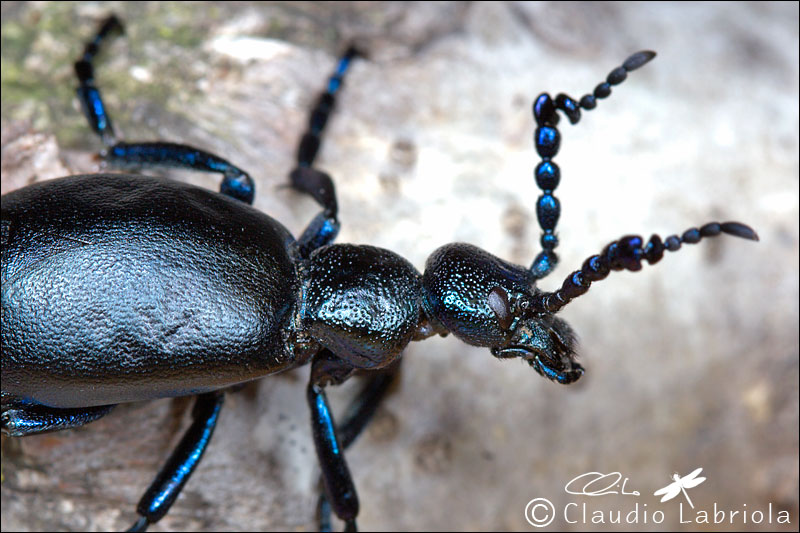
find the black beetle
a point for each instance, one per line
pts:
(102, 277)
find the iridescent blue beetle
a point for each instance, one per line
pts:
(120, 288)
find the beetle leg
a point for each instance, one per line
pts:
(169, 482)
(310, 141)
(325, 226)
(328, 369)
(358, 415)
(236, 183)
(305, 178)
(88, 94)
(19, 420)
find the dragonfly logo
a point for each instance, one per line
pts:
(680, 484)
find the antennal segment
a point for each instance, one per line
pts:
(626, 253)
(547, 141)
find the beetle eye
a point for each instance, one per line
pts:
(498, 303)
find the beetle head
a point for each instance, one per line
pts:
(546, 342)
(484, 301)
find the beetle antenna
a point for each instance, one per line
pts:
(626, 253)
(547, 140)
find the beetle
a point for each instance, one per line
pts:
(152, 288)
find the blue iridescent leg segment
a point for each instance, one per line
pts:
(312, 138)
(547, 140)
(358, 415)
(327, 369)
(20, 418)
(236, 183)
(88, 94)
(184, 459)
(305, 178)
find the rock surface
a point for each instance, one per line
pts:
(690, 363)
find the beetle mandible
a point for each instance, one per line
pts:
(120, 288)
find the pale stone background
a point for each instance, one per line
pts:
(691, 363)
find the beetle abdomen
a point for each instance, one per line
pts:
(120, 288)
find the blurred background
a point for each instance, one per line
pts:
(690, 363)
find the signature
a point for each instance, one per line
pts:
(599, 484)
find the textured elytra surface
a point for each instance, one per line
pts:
(107, 300)
(692, 362)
